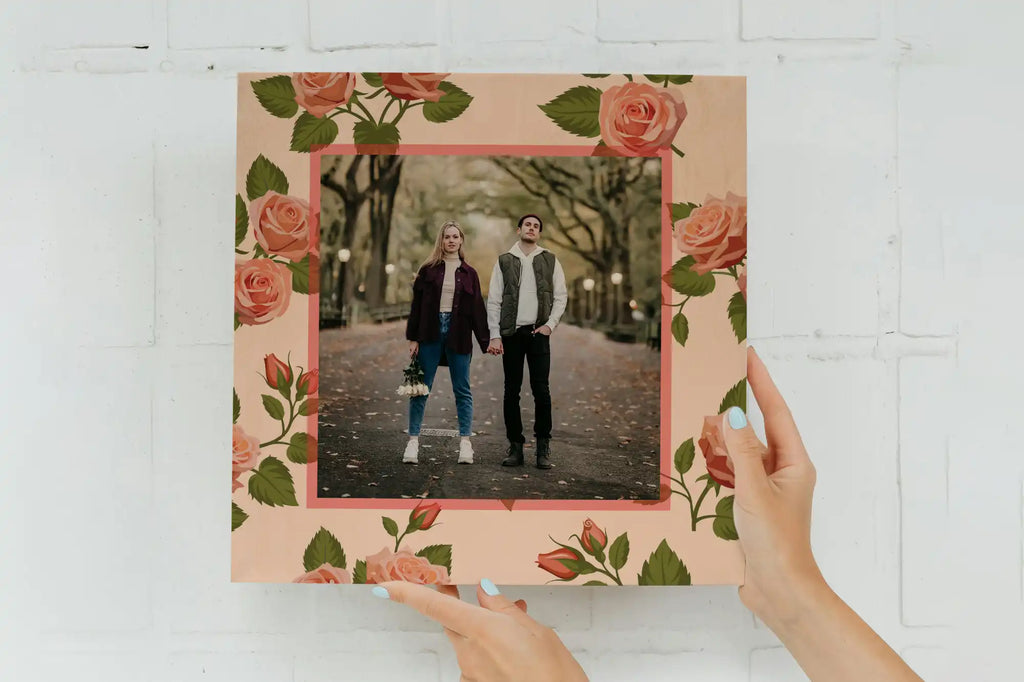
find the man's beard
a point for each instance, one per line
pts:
(528, 239)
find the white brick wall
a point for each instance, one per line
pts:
(887, 248)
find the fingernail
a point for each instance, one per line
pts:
(737, 419)
(380, 592)
(489, 587)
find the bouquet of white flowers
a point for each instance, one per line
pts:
(413, 384)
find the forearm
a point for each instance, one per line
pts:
(831, 642)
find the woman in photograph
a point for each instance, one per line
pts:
(447, 312)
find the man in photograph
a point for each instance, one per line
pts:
(527, 297)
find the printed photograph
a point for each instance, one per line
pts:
(489, 327)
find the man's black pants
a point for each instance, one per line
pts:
(536, 350)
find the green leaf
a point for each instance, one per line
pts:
(594, 582)
(300, 275)
(738, 315)
(324, 548)
(277, 95)
(271, 484)
(737, 396)
(236, 406)
(299, 446)
(368, 132)
(439, 555)
(453, 102)
(680, 328)
(596, 75)
(576, 111)
(685, 455)
(264, 176)
(663, 568)
(307, 408)
(687, 282)
(618, 553)
(238, 516)
(724, 526)
(390, 526)
(373, 79)
(599, 555)
(359, 573)
(310, 130)
(671, 78)
(681, 210)
(241, 220)
(238, 323)
(580, 566)
(273, 407)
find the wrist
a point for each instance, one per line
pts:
(793, 602)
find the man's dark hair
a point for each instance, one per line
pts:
(532, 215)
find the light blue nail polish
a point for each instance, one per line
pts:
(381, 592)
(489, 587)
(737, 419)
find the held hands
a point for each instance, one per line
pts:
(494, 642)
(495, 347)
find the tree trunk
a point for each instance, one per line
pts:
(385, 173)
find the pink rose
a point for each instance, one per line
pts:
(283, 224)
(712, 444)
(309, 381)
(715, 234)
(274, 366)
(325, 574)
(427, 512)
(638, 119)
(319, 92)
(245, 450)
(552, 562)
(262, 290)
(593, 538)
(414, 85)
(386, 565)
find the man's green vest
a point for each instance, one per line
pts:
(511, 274)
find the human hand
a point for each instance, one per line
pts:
(544, 329)
(494, 642)
(774, 490)
(414, 348)
(495, 347)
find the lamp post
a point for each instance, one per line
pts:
(617, 281)
(343, 257)
(389, 270)
(588, 286)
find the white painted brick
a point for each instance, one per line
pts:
(193, 24)
(925, 385)
(563, 609)
(690, 665)
(356, 609)
(535, 21)
(395, 665)
(650, 20)
(87, 555)
(693, 608)
(820, 147)
(810, 19)
(930, 663)
(88, 178)
(98, 23)
(125, 666)
(334, 25)
(212, 666)
(775, 664)
(955, 32)
(195, 162)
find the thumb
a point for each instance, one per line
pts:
(492, 600)
(747, 453)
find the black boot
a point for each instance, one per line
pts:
(515, 455)
(543, 452)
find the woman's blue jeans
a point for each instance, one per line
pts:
(458, 368)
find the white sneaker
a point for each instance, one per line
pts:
(412, 450)
(465, 452)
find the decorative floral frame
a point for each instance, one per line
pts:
(281, 532)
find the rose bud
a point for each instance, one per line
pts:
(593, 538)
(309, 381)
(427, 512)
(552, 562)
(274, 366)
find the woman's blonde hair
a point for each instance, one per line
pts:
(437, 255)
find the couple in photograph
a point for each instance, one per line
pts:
(526, 299)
